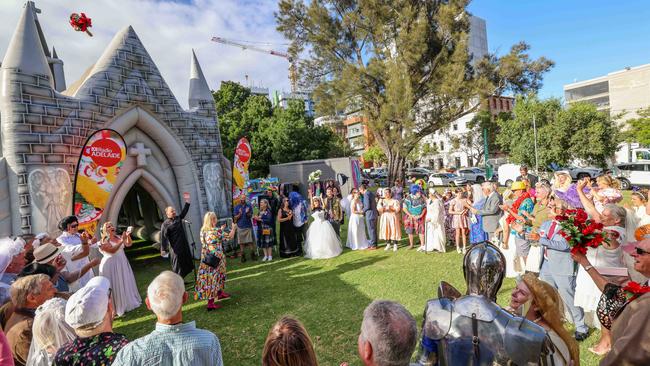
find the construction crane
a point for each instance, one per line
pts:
(293, 72)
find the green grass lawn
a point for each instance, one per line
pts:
(328, 296)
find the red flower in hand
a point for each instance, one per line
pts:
(579, 249)
(581, 216)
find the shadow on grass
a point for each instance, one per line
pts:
(311, 290)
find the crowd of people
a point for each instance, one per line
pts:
(54, 310)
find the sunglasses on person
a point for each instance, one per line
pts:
(640, 251)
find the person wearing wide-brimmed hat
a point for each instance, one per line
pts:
(50, 254)
(520, 209)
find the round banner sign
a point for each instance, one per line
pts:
(243, 150)
(104, 152)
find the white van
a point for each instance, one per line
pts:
(633, 174)
(508, 173)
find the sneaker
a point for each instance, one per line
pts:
(270, 259)
(420, 249)
(394, 247)
(387, 247)
(264, 259)
(223, 295)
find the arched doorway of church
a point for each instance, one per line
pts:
(140, 211)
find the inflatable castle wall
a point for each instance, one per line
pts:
(45, 123)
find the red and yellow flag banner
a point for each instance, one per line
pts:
(99, 165)
(240, 167)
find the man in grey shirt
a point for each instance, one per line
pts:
(172, 343)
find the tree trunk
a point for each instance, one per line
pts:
(395, 168)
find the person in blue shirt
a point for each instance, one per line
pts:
(242, 215)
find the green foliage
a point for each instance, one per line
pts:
(638, 129)
(277, 135)
(563, 135)
(403, 63)
(375, 154)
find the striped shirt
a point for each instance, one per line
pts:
(172, 345)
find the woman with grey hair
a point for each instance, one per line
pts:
(49, 332)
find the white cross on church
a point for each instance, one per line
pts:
(140, 152)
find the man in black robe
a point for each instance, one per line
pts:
(172, 235)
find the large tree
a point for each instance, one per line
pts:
(403, 63)
(579, 132)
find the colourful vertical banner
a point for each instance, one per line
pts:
(240, 167)
(356, 172)
(99, 165)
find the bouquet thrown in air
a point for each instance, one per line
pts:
(314, 176)
(580, 231)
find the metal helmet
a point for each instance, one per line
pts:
(484, 268)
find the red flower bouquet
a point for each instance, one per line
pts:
(580, 231)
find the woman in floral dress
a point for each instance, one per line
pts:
(266, 234)
(211, 280)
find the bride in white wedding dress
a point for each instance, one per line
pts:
(321, 240)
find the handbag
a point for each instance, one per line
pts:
(211, 260)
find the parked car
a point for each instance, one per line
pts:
(446, 179)
(632, 174)
(418, 173)
(473, 175)
(375, 172)
(580, 173)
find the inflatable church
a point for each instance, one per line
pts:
(46, 123)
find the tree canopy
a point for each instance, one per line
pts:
(579, 132)
(638, 129)
(277, 135)
(403, 63)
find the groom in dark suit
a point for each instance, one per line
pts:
(370, 212)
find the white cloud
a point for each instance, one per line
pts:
(169, 30)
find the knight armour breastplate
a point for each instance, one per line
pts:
(473, 330)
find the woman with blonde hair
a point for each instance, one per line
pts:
(607, 190)
(288, 344)
(211, 278)
(540, 303)
(115, 266)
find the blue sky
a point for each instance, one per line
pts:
(586, 39)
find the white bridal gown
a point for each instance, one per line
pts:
(117, 269)
(357, 228)
(321, 241)
(435, 238)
